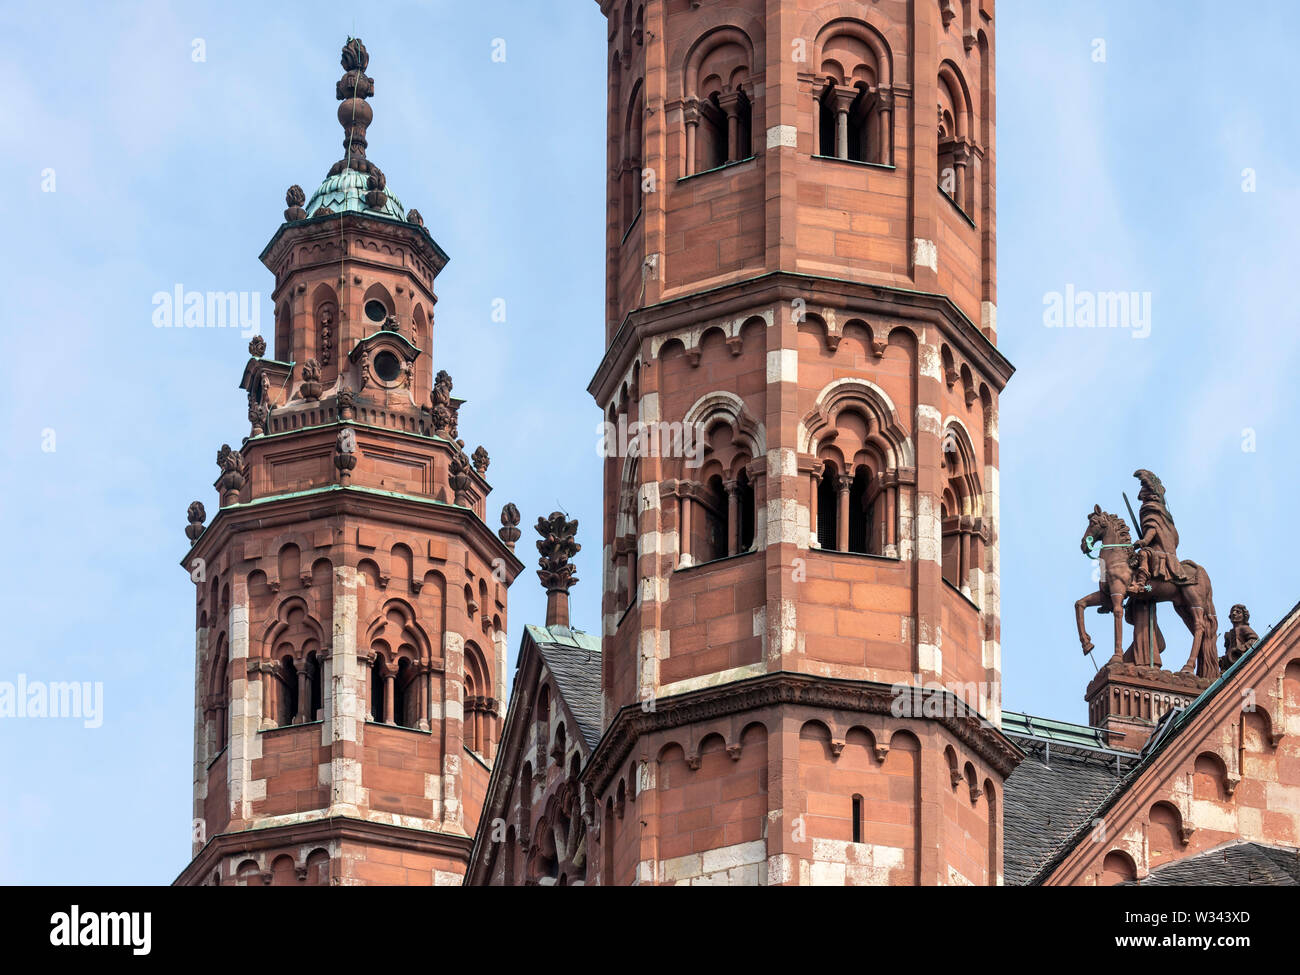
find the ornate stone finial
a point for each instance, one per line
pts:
(459, 479)
(311, 384)
(257, 347)
(233, 477)
(326, 334)
(197, 516)
(1240, 638)
(347, 403)
(294, 197)
(345, 454)
(442, 408)
(391, 324)
(375, 195)
(557, 546)
(481, 459)
(355, 115)
(413, 216)
(258, 415)
(509, 530)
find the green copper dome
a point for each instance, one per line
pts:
(346, 192)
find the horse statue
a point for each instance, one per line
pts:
(1108, 535)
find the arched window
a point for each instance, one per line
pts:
(714, 502)
(288, 687)
(632, 156)
(860, 460)
(860, 511)
(960, 510)
(719, 495)
(403, 696)
(854, 98)
(849, 123)
(745, 511)
(478, 703)
(377, 689)
(719, 111)
(954, 138)
(828, 509)
(315, 685)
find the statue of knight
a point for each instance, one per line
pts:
(1156, 554)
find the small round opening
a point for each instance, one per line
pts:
(387, 366)
(376, 310)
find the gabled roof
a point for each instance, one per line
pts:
(573, 658)
(1233, 865)
(1066, 775)
(1067, 797)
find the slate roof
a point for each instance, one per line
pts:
(1229, 866)
(573, 658)
(1053, 794)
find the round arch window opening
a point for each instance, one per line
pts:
(376, 310)
(387, 366)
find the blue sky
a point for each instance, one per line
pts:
(1120, 175)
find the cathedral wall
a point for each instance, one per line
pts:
(1232, 775)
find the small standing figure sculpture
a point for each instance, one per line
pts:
(1240, 638)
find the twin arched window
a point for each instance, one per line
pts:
(846, 510)
(854, 95)
(718, 106)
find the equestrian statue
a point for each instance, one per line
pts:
(1137, 575)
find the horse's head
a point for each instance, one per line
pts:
(1096, 532)
(1103, 528)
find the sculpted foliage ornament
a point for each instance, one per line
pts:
(294, 197)
(196, 516)
(347, 403)
(311, 384)
(233, 474)
(345, 454)
(459, 479)
(258, 415)
(257, 347)
(509, 530)
(557, 546)
(445, 412)
(481, 460)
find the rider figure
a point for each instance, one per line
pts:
(1157, 555)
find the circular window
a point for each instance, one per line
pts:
(387, 366)
(376, 310)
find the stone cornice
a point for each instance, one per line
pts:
(321, 831)
(404, 510)
(785, 687)
(739, 297)
(328, 227)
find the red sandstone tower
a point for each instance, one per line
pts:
(351, 600)
(801, 269)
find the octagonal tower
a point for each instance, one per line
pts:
(801, 384)
(351, 599)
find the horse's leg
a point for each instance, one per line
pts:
(1197, 625)
(1117, 610)
(1092, 599)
